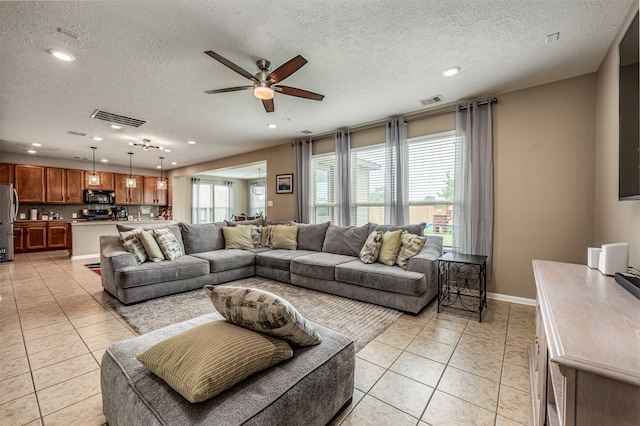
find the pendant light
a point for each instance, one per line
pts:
(94, 179)
(162, 184)
(131, 182)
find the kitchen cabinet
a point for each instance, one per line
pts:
(64, 186)
(55, 185)
(124, 195)
(18, 238)
(41, 235)
(6, 173)
(152, 195)
(56, 235)
(35, 236)
(74, 186)
(107, 181)
(30, 183)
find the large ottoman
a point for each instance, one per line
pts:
(308, 389)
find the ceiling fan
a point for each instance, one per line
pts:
(264, 82)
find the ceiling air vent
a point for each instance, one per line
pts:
(73, 132)
(119, 119)
(432, 100)
(305, 132)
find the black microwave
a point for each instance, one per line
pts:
(99, 197)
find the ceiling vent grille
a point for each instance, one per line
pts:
(305, 132)
(73, 132)
(118, 119)
(432, 100)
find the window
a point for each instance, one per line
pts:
(221, 202)
(323, 188)
(202, 203)
(257, 197)
(367, 185)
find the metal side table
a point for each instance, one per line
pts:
(462, 282)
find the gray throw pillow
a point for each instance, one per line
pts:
(175, 229)
(258, 222)
(347, 240)
(415, 229)
(199, 238)
(311, 237)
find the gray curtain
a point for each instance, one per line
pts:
(230, 200)
(195, 200)
(343, 178)
(301, 181)
(473, 182)
(396, 196)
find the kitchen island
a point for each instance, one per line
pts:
(86, 234)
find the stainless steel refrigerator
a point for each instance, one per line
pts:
(8, 211)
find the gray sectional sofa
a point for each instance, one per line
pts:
(326, 259)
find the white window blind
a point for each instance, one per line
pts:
(367, 180)
(203, 204)
(323, 188)
(221, 202)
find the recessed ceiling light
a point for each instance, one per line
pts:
(115, 126)
(272, 126)
(451, 71)
(32, 151)
(191, 142)
(157, 167)
(97, 138)
(104, 160)
(36, 144)
(167, 150)
(62, 55)
(173, 163)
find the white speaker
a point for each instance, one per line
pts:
(614, 258)
(593, 257)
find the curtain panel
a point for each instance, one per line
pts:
(195, 200)
(473, 182)
(230, 199)
(302, 181)
(396, 183)
(343, 178)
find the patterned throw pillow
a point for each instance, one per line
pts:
(237, 237)
(371, 248)
(133, 244)
(151, 246)
(168, 243)
(391, 241)
(285, 237)
(262, 311)
(411, 245)
(256, 235)
(207, 359)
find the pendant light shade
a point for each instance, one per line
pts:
(93, 179)
(131, 182)
(162, 184)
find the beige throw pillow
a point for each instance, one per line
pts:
(262, 311)
(410, 246)
(285, 237)
(371, 248)
(151, 246)
(207, 359)
(391, 241)
(237, 237)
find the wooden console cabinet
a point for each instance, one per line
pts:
(585, 359)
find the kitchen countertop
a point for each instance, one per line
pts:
(48, 220)
(124, 222)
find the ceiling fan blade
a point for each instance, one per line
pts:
(286, 69)
(231, 65)
(292, 91)
(268, 105)
(228, 89)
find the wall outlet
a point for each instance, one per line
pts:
(150, 214)
(23, 215)
(269, 203)
(74, 215)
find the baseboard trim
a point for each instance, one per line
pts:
(91, 256)
(511, 299)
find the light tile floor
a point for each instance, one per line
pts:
(430, 369)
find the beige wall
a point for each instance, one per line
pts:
(615, 221)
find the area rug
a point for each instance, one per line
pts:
(95, 267)
(359, 320)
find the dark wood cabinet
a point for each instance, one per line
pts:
(107, 181)
(55, 179)
(73, 186)
(6, 173)
(41, 235)
(30, 183)
(35, 236)
(152, 195)
(124, 195)
(18, 238)
(56, 235)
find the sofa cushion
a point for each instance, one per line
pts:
(225, 260)
(382, 277)
(203, 361)
(411, 246)
(168, 243)
(258, 222)
(202, 237)
(311, 236)
(279, 259)
(371, 248)
(347, 240)
(319, 265)
(417, 229)
(151, 246)
(173, 228)
(285, 237)
(237, 237)
(159, 272)
(391, 241)
(264, 312)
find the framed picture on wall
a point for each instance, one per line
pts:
(284, 184)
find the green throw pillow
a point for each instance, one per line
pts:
(263, 311)
(207, 359)
(133, 244)
(391, 241)
(410, 246)
(168, 243)
(371, 248)
(285, 237)
(237, 237)
(151, 246)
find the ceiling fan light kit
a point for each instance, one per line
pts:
(146, 145)
(264, 82)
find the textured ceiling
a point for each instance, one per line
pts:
(371, 60)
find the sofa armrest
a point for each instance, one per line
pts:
(114, 252)
(426, 263)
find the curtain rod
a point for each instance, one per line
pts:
(445, 109)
